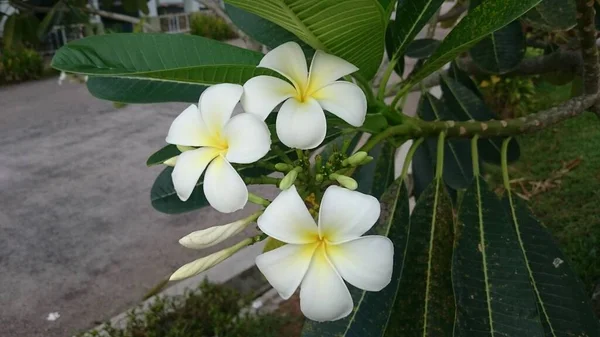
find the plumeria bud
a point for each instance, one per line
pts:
(171, 161)
(344, 181)
(255, 199)
(319, 178)
(367, 160)
(211, 236)
(185, 148)
(355, 159)
(289, 179)
(207, 262)
(283, 167)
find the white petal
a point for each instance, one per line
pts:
(346, 215)
(345, 100)
(323, 294)
(217, 103)
(189, 168)
(301, 125)
(189, 129)
(366, 263)
(326, 68)
(248, 138)
(263, 93)
(286, 266)
(288, 59)
(287, 219)
(224, 188)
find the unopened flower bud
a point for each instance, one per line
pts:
(283, 167)
(171, 161)
(356, 159)
(344, 181)
(211, 236)
(207, 262)
(288, 180)
(367, 160)
(185, 148)
(319, 178)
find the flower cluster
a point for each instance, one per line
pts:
(316, 256)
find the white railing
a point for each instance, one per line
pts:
(174, 23)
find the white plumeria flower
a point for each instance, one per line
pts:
(319, 258)
(221, 140)
(301, 121)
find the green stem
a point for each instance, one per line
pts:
(439, 165)
(409, 156)
(404, 89)
(282, 155)
(366, 87)
(261, 181)
(504, 160)
(386, 77)
(475, 156)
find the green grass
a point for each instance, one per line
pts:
(211, 310)
(570, 210)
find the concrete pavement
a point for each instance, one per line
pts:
(78, 235)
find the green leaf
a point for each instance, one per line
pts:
(465, 105)
(422, 48)
(157, 64)
(491, 281)
(424, 304)
(483, 20)
(162, 155)
(422, 168)
(391, 47)
(463, 78)
(563, 304)
(372, 309)
(130, 90)
(353, 30)
(263, 31)
(458, 171)
(412, 15)
(501, 51)
(375, 177)
(553, 15)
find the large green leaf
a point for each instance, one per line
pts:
(458, 171)
(391, 47)
(483, 20)
(563, 304)
(424, 304)
(422, 169)
(411, 17)
(372, 309)
(353, 29)
(375, 177)
(502, 50)
(466, 105)
(263, 31)
(553, 15)
(132, 90)
(145, 65)
(491, 281)
(162, 155)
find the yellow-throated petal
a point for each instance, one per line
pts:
(323, 294)
(366, 262)
(345, 100)
(345, 215)
(286, 266)
(248, 138)
(326, 68)
(223, 187)
(189, 129)
(217, 103)
(287, 219)
(301, 125)
(263, 93)
(189, 168)
(288, 59)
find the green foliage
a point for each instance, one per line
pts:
(356, 36)
(210, 26)
(552, 15)
(20, 65)
(210, 310)
(510, 97)
(502, 50)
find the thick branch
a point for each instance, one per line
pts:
(454, 12)
(587, 38)
(417, 128)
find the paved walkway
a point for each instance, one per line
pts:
(78, 235)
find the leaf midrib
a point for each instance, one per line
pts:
(484, 255)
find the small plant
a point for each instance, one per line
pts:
(20, 65)
(212, 27)
(210, 310)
